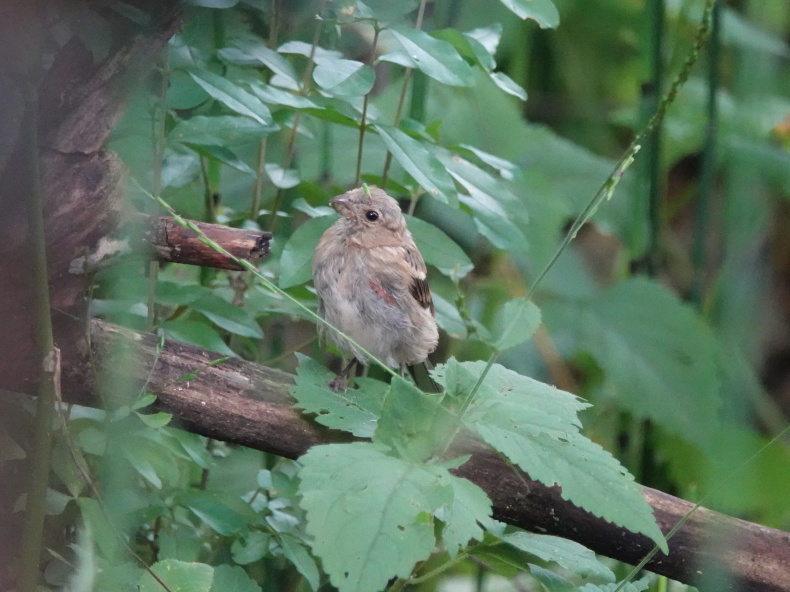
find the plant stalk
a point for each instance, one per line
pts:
(42, 443)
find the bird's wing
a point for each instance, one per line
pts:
(418, 287)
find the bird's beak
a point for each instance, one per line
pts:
(340, 203)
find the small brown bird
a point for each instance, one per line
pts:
(372, 285)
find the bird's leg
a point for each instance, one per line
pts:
(340, 382)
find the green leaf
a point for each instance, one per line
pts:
(570, 555)
(178, 575)
(197, 333)
(541, 11)
(409, 422)
(465, 517)
(507, 84)
(356, 410)
(419, 162)
(496, 209)
(223, 155)
(438, 249)
(434, 57)
(212, 511)
(659, 356)
(232, 96)
(231, 318)
(224, 130)
(637, 586)
(214, 3)
(295, 552)
(280, 177)
(250, 548)
(369, 513)
(536, 427)
(229, 578)
(345, 78)
(518, 321)
(155, 420)
(296, 260)
(250, 51)
(551, 581)
(471, 49)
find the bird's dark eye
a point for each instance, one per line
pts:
(372, 215)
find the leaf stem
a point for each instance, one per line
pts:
(158, 132)
(363, 123)
(30, 555)
(291, 148)
(402, 98)
(707, 174)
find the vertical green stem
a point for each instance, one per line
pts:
(363, 122)
(289, 151)
(402, 98)
(653, 158)
(45, 405)
(159, 128)
(259, 178)
(707, 173)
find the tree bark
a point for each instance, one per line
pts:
(248, 404)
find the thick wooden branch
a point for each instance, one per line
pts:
(249, 404)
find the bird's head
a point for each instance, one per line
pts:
(369, 216)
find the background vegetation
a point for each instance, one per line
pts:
(668, 313)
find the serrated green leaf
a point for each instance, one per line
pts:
(232, 578)
(223, 155)
(345, 78)
(359, 501)
(637, 586)
(536, 427)
(410, 421)
(231, 318)
(507, 84)
(434, 57)
(465, 518)
(295, 552)
(438, 249)
(178, 575)
(220, 4)
(553, 582)
(232, 96)
(355, 410)
(568, 554)
(659, 356)
(224, 130)
(541, 11)
(197, 333)
(296, 260)
(419, 163)
(518, 320)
